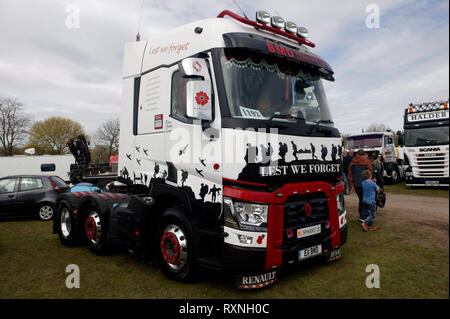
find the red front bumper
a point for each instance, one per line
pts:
(274, 253)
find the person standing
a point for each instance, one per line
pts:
(346, 160)
(355, 169)
(378, 169)
(369, 204)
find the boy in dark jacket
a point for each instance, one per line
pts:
(359, 164)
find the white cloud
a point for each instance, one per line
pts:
(76, 72)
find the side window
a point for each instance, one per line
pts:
(29, 183)
(48, 167)
(178, 98)
(7, 185)
(387, 140)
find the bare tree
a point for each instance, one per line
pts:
(108, 135)
(375, 127)
(13, 125)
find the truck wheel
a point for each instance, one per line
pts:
(395, 176)
(176, 246)
(65, 225)
(46, 211)
(95, 231)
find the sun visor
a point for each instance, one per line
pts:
(256, 42)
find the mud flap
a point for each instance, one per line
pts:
(258, 280)
(334, 255)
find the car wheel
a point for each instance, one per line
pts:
(95, 231)
(46, 212)
(176, 246)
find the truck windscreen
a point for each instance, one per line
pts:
(426, 136)
(364, 141)
(260, 86)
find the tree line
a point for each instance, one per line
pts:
(18, 132)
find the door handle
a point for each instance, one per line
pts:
(11, 196)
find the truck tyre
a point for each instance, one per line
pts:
(395, 175)
(46, 211)
(65, 224)
(177, 253)
(95, 230)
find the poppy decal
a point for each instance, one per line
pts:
(201, 98)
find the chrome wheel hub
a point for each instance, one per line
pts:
(66, 225)
(173, 246)
(93, 228)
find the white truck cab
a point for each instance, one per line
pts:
(374, 143)
(227, 134)
(426, 144)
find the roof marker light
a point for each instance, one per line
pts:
(302, 32)
(290, 27)
(277, 22)
(262, 17)
(267, 27)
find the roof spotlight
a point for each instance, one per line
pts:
(290, 27)
(302, 32)
(262, 17)
(277, 22)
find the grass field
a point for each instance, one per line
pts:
(401, 188)
(33, 263)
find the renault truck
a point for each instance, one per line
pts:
(228, 157)
(426, 146)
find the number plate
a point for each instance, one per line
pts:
(309, 231)
(432, 183)
(309, 252)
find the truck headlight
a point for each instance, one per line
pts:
(340, 203)
(245, 215)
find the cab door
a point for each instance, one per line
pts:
(389, 153)
(193, 145)
(8, 196)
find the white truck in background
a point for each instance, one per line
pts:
(374, 143)
(426, 144)
(48, 165)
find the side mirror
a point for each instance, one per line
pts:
(198, 89)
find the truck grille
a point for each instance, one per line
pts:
(298, 215)
(431, 165)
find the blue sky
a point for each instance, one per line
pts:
(76, 73)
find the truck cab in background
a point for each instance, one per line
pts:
(374, 143)
(426, 144)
